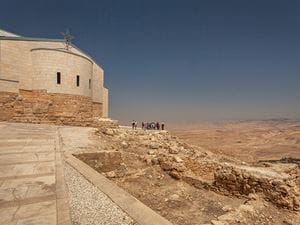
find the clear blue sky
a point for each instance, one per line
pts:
(177, 60)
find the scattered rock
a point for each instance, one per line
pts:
(109, 132)
(177, 159)
(247, 208)
(154, 161)
(296, 204)
(173, 150)
(111, 174)
(175, 174)
(288, 222)
(98, 165)
(174, 197)
(226, 208)
(165, 165)
(252, 196)
(124, 144)
(151, 152)
(217, 222)
(154, 145)
(179, 167)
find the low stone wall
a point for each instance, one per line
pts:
(38, 106)
(283, 191)
(105, 123)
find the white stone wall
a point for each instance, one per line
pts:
(46, 64)
(7, 83)
(8, 86)
(15, 62)
(97, 84)
(105, 102)
(34, 64)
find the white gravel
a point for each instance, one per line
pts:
(89, 206)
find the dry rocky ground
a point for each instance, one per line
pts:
(191, 185)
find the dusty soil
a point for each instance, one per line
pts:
(174, 200)
(248, 141)
(191, 185)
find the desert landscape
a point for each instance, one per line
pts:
(249, 141)
(117, 175)
(217, 174)
(150, 112)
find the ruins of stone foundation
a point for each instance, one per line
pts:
(180, 181)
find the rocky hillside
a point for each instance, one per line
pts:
(190, 185)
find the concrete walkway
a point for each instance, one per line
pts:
(32, 189)
(33, 182)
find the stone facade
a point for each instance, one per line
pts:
(29, 87)
(47, 63)
(105, 102)
(42, 107)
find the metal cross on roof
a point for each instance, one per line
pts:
(68, 39)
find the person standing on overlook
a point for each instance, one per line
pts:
(157, 125)
(133, 124)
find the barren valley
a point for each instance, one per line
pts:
(248, 141)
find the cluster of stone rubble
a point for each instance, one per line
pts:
(281, 189)
(202, 169)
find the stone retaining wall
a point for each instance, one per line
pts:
(38, 106)
(283, 191)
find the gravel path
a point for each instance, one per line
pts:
(89, 206)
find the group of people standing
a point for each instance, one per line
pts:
(149, 125)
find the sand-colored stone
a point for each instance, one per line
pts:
(32, 64)
(44, 107)
(31, 182)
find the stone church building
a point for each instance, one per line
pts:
(46, 81)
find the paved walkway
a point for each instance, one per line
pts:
(32, 189)
(32, 181)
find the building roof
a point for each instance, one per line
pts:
(4, 33)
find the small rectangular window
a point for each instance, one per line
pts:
(77, 80)
(58, 77)
(90, 83)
